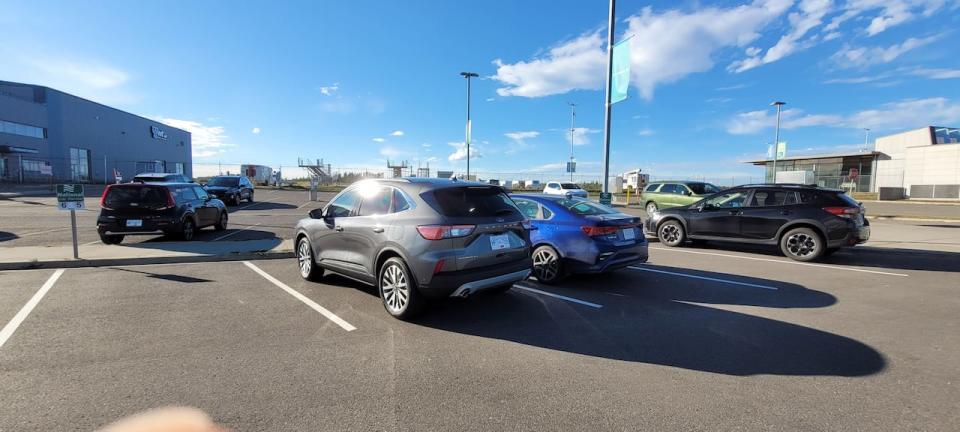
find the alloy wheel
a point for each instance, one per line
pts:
(545, 265)
(394, 288)
(651, 208)
(304, 258)
(670, 233)
(188, 230)
(801, 244)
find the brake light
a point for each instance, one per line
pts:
(438, 266)
(103, 198)
(171, 203)
(594, 231)
(439, 232)
(842, 211)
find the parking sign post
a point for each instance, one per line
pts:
(70, 197)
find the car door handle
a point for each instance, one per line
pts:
(377, 230)
(784, 212)
(339, 228)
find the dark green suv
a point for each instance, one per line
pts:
(666, 194)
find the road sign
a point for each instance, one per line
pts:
(571, 167)
(606, 198)
(70, 197)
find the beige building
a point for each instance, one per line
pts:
(920, 163)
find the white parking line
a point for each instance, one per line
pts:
(781, 261)
(732, 282)
(235, 232)
(558, 296)
(27, 308)
(256, 203)
(34, 233)
(323, 311)
(303, 205)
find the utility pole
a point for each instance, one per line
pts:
(573, 119)
(607, 105)
(468, 75)
(866, 138)
(776, 139)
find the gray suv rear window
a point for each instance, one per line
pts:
(472, 201)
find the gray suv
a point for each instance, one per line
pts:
(417, 239)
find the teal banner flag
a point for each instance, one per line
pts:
(621, 72)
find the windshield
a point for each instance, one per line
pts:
(143, 196)
(584, 207)
(473, 201)
(569, 186)
(703, 188)
(223, 181)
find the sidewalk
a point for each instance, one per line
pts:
(26, 257)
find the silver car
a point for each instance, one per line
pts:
(417, 239)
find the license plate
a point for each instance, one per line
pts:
(134, 222)
(629, 234)
(498, 242)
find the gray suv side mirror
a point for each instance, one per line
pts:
(316, 213)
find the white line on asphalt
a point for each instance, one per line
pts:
(703, 278)
(36, 232)
(782, 261)
(323, 311)
(549, 294)
(256, 203)
(303, 205)
(27, 308)
(235, 232)
(93, 242)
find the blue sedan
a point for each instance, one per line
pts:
(575, 235)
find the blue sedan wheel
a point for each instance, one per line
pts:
(546, 265)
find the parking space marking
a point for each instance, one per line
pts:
(35, 233)
(27, 308)
(558, 296)
(304, 205)
(235, 232)
(256, 203)
(782, 261)
(323, 311)
(727, 281)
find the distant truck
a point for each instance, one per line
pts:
(258, 174)
(634, 179)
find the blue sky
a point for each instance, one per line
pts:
(358, 82)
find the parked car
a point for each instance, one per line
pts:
(157, 208)
(663, 195)
(574, 235)
(416, 239)
(806, 222)
(230, 189)
(564, 189)
(160, 178)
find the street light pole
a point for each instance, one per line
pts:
(607, 105)
(866, 138)
(776, 139)
(573, 118)
(468, 75)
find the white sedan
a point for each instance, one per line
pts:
(567, 189)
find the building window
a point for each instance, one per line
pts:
(150, 167)
(178, 167)
(21, 129)
(79, 164)
(945, 135)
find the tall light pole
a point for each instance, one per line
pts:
(776, 139)
(607, 105)
(573, 118)
(866, 138)
(468, 75)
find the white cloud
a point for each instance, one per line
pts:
(330, 89)
(396, 133)
(580, 135)
(81, 76)
(520, 140)
(809, 16)
(255, 131)
(378, 139)
(460, 151)
(206, 140)
(937, 73)
(390, 152)
(490, 99)
(891, 13)
(577, 64)
(645, 132)
(849, 57)
(904, 114)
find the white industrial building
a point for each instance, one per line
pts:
(921, 163)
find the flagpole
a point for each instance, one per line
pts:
(606, 114)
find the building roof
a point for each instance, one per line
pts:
(819, 156)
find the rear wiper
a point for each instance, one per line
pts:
(503, 211)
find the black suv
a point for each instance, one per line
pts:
(157, 208)
(230, 189)
(806, 222)
(416, 239)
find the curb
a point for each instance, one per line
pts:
(106, 262)
(911, 219)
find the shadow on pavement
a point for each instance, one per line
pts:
(261, 205)
(7, 236)
(165, 276)
(657, 323)
(200, 247)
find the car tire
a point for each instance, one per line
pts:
(802, 244)
(309, 269)
(250, 197)
(651, 208)
(235, 199)
(547, 265)
(221, 224)
(397, 289)
(111, 239)
(830, 251)
(671, 233)
(188, 230)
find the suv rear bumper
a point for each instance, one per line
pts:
(149, 226)
(466, 282)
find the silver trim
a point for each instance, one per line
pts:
(495, 281)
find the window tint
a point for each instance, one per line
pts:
(703, 188)
(791, 199)
(343, 206)
(569, 186)
(769, 198)
(547, 214)
(399, 201)
(529, 208)
(672, 189)
(202, 194)
(376, 204)
(223, 181)
(583, 207)
(183, 194)
(807, 197)
(123, 196)
(731, 199)
(652, 188)
(472, 201)
(552, 185)
(840, 199)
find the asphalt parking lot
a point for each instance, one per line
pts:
(35, 221)
(706, 338)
